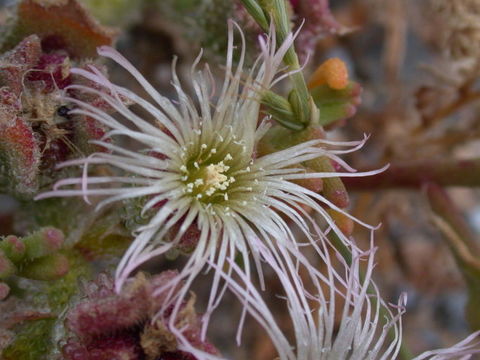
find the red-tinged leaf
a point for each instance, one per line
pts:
(53, 70)
(62, 25)
(10, 105)
(21, 153)
(15, 63)
(336, 105)
(86, 129)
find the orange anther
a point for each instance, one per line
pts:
(332, 72)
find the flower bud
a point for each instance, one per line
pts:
(344, 223)
(332, 72)
(312, 184)
(333, 188)
(281, 109)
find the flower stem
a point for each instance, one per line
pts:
(283, 28)
(444, 172)
(276, 11)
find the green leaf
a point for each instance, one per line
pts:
(32, 342)
(335, 105)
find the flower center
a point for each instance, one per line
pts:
(208, 180)
(215, 179)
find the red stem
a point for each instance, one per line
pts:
(449, 172)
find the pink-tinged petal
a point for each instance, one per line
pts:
(464, 349)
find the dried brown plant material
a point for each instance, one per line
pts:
(157, 339)
(459, 32)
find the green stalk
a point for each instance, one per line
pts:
(257, 13)
(300, 91)
(276, 11)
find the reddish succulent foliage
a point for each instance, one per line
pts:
(189, 239)
(319, 22)
(61, 25)
(20, 148)
(107, 325)
(52, 70)
(16, 62)
(36, 131)
(122, 346)
(44, 39)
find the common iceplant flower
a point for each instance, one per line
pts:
(347, 321)
(199, 170)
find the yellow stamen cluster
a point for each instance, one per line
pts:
(208, 179)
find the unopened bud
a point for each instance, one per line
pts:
(312, 184)
(281, 109)
(332, 72)
(344, 223)
(299, 108)
(256, 12)
(333, 188)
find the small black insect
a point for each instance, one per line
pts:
(63, 111)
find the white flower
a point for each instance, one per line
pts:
(198, 161)
(365, 320)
